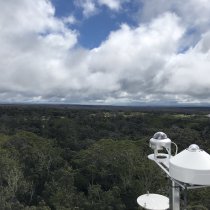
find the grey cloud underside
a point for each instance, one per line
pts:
(41, 61)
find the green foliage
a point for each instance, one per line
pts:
(120, 164)
(104, 200)
(196, 207)
(55, 158)
(60, 190)
(10, 180)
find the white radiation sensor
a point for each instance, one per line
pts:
(192, 166)
(153, 202)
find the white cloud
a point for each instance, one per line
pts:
(188, 73)
(131, 59)
(33, 46)
(70, 20)
(89, 7)
(194, 13)
(40, 59)
(35, 16)
(112, 4)
(92, 7)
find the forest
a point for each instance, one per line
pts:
(90, 158)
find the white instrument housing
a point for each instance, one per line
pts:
(191, 166)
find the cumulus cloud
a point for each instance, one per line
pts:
(188, 73)
(92, 7)
(41, 61)
(194, 14)
(70, 20)
(131, 60)
(112, 4)
(33, 46)
(89, 7)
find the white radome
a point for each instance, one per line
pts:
(153, 202)
(160, 140)
(191, 166)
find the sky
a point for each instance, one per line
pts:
(105, 52)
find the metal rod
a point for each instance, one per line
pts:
(177, 182)
(185, 197)
(175, 197)
(196, 187)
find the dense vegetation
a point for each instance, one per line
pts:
(89, 159)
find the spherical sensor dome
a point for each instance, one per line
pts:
(160, 136)
(160, 140)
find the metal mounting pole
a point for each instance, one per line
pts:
(175, 197)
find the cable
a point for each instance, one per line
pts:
(176, 147)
